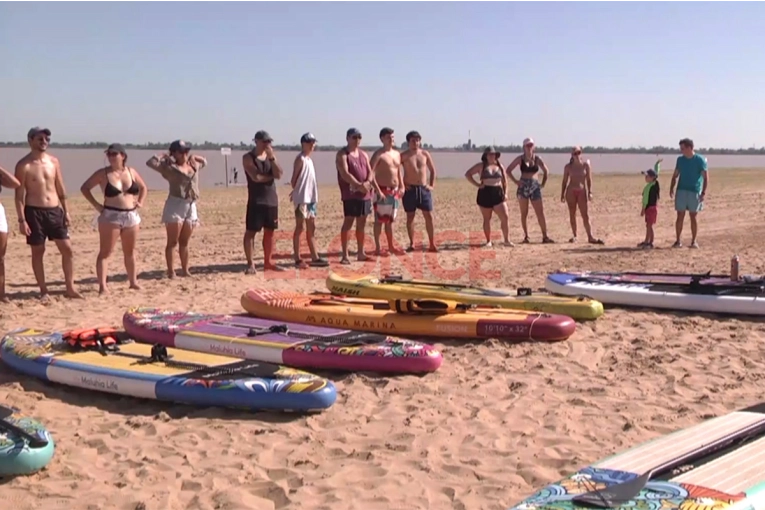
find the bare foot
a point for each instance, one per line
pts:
(44, 297)
(433, 249)
(72, 294)
(4, 299)
(250, 269)
(397, 251)
(170, 274)
(362, 257)
(103, 290)
(272, 267)
(184, 272)
(135, 286)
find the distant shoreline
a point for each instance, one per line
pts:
(209, 146)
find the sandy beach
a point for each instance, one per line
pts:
(495, 423)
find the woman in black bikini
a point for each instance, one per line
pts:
(124, 192)
(492, 192)
(529, 188)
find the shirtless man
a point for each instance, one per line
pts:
(576, 192)
(389, 180)
(6, 179)
(42, 210)
(419, 185)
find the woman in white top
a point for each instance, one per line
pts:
(305, 195)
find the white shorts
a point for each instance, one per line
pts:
(123, 219)
(3, 221)
(179, 210)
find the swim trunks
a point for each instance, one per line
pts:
(386, 206)
(688, 201)
(356, 208)
(306, 211)
(45, 223)
(417, 197)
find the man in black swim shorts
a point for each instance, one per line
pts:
(419, 181)
(42, 209)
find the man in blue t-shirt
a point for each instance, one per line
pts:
(692, 179)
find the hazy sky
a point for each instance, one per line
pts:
(613, 74)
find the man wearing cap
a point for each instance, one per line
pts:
(389, 187)
(261, 171)
(8, 180)
(356, 181)
(692, 178)
(42, 209)
(417, 165)
(305, 197)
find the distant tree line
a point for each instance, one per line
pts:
(242, 146)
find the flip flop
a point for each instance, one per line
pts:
(345, 262)
(319, 263)
(597, 241)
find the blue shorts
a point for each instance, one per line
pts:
(687, 201)
(417, 197)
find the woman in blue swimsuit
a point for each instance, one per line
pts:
(529, 188)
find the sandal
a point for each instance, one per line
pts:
(597, 241)
(526, 240)
(547, 240)
(320, 262)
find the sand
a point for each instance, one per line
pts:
(495, 423)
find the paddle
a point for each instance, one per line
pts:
(34, 441)
(616, 495)
(425, 283)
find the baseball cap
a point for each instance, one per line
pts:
(650, 172)
(263, 136)
(180, 146)
(115, 147)
(307, 138)
(37, 130)
(352, 132)
(528, 141)
(386, 131)
(413, 134)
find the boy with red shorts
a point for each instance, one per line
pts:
(650, 209)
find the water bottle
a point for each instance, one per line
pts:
(734, 268)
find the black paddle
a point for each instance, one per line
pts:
(616, 495)
(484, 291)
(34, 441)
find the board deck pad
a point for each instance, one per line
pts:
(731, 476)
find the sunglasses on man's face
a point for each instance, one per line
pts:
(356, 137)
(43, 138)
(576, 153)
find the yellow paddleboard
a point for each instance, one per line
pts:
(395, 287)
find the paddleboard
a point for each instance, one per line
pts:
(396, 287)
(155, 372)
(697, 293)
(288, 343)
(715, 465)
(25, 445)
(414, 317)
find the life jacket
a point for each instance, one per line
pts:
(96, 339)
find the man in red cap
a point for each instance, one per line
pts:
(42, 209)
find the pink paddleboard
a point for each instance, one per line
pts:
(285, 343)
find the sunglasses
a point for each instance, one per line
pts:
(112, 154)
(356, 137)
(43, 138)
(577, 153)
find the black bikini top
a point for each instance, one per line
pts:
(110, 190)
(525, 168)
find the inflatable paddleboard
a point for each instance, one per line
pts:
(696, 293)
(288, 343)
(414, 317)
(396, 287)
(715, 465)
(25, 445)
(108, 360)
